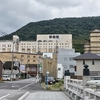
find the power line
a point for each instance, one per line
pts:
(2, 33)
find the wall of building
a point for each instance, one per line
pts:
(50, 64)
(23, 58)
(80, 66)
(44, 43)
(94, 43)
(65, 57)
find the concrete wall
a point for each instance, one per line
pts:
(80, 66)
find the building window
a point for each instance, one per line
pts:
(50, 36)
(22, 55)
(71, 59)
(59, 68)
(65, 59)
(71, 66)
(53, 36)
(83, 62)
(33, 60)
(57, 36)
(33, 56)
(92, 62)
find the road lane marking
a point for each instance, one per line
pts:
(26, 86)
(4, 96)
(24, 96)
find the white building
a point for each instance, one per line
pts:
(92, 60)
(43, 43)
(65, 57)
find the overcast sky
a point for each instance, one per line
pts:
(16, 13)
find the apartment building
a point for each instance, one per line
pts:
(23, 58)
(93, 45)
(43, 43)
(65, 57)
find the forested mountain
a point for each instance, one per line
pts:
(79, 28)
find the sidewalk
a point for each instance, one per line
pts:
(46, 95)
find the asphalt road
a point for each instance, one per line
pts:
(12, 90)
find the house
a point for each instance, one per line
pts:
(92, 60)
(10, 67)
(0, 69)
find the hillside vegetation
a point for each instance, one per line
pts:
(79, 28)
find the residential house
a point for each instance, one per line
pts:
(92, 60)
(11, 68)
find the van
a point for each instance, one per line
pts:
(6, 77)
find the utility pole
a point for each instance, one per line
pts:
(38, 61)
(12, 61)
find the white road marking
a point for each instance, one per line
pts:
(26, 86)
(4, 96)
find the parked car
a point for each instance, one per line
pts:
(6, 77)
(50, 80)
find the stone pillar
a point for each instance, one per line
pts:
(86, 78)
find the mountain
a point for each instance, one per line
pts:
(79, 28)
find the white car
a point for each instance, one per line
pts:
(6, 77)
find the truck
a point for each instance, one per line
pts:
(59, 72)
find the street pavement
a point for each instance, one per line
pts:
(47, 95)
(13, 90)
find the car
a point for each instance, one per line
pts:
(6, 77)
(50, 80)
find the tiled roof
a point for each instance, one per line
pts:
(87, 56)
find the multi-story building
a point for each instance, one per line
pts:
(65, 57)
(93, 45)
(43, 43)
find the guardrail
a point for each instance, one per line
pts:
(74, 89)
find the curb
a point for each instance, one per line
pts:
(24, 96)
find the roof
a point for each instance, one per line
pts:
(87, 56)
(96, 31)
(8, 64)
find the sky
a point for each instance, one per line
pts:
(15, 14)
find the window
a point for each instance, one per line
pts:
(71, 59)
(59, 68)
(33, 60)
(83, 62)
(71, 66)
(53, 36)
(22, 55)
(57, 36)
(92, 62)
(33, 56)
(50, 36)
(65, 59)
